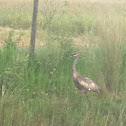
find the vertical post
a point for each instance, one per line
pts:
(33, 30)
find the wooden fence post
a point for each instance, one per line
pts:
(33, 30)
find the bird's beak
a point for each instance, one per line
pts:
(69, 55)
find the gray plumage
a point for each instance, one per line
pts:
(83, 83)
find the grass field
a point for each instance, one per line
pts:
(41, 92)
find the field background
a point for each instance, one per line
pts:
(41, 92)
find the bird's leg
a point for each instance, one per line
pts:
(87, 99)
(84, 92)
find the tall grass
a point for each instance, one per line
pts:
(42, 93)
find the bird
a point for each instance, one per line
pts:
(84, 84)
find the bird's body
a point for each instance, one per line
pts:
(83, 83)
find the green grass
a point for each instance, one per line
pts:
(15, 19)
(41, 92)
(70, 24)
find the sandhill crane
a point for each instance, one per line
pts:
(83, 83)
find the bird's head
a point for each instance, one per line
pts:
(74, 54)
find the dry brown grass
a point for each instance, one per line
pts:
(26, 4)
(25, 37)
(98, 8)
(16, 4)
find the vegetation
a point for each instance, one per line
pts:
(41, 92)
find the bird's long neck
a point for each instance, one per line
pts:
(74, 64)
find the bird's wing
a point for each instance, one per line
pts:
(87, 83)
(84, 82)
